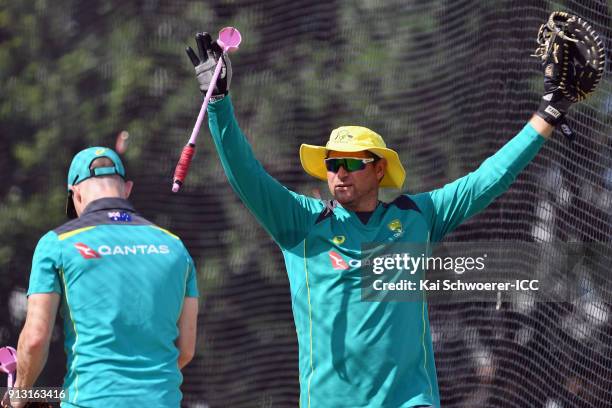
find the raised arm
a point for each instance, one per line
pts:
(459, 200)
(286, 216)
(564, 84)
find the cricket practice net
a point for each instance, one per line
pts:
(446, 83)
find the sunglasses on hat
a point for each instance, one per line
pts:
(350, 164)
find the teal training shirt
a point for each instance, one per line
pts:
(123, 281)
(352, 353)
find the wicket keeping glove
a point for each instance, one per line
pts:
(573, 59)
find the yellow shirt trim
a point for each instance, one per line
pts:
(166, 231)
(66, 235)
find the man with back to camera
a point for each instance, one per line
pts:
(128, 293)
(354, 353)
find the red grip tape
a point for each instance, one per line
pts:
(183, 164)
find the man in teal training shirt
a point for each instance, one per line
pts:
(353, 353)
(128, 296)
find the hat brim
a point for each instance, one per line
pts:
(313, 161)
(70, 209)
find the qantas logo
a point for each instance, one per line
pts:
(86, 252)
(337, 261)
(110, 250)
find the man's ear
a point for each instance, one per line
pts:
(128, 188)
(76, 194)
(381, 166)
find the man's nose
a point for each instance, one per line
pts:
(342, 173)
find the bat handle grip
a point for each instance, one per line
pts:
(11, 380)
(182, 167)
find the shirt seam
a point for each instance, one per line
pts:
(76, 338)
(310, 324)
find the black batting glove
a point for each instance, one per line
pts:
(209, 53)
(554, 105)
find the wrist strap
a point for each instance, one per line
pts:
(559, 123)
(566, 130)
(215, 98)
(550, 113)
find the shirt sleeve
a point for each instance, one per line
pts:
(46, 264)
(286, 216)
(191, 289)
(461, 199)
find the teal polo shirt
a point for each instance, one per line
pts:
(122, 281)
(353, 353)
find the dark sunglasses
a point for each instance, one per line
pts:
(350, 164)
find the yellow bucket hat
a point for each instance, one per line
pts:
(353, 139)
